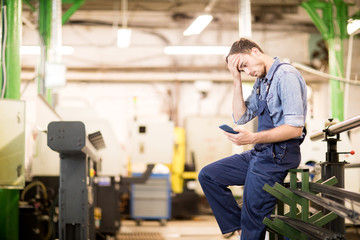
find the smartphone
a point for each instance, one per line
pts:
(228, 129)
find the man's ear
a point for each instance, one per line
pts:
(255, 51)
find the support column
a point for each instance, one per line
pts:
(11, 37)
(333, 30)
(336, 68)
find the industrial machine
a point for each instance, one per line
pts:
(327, 222)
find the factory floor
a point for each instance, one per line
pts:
(202, 227)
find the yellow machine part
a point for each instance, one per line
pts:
(178, 164)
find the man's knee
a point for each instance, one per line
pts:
(203, 174)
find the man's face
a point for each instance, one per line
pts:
(251, 63)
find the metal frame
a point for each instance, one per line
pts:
(332, 166)
(76, 207)
(291, 198)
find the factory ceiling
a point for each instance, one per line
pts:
(180, 13)
(156, 24)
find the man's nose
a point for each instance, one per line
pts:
(247, 71)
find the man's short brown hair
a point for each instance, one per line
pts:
(243, 45)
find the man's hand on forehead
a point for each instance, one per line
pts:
(233, 61)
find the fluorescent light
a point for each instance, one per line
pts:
(206, 50)
(123, 37)
(35, 50)
(353, 26)
(55, 75)
(198, 25)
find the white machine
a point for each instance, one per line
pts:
(151, 142)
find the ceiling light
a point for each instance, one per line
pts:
(34, 50)
(124, 34)
(123, 37)
(353, 26)
(205, 50)
(198, 25)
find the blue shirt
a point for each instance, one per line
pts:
(286, 99)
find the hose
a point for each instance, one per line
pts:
(31, 185)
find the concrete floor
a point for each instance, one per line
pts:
(202, 227)
(199, 228)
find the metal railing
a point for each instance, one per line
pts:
(336, 128)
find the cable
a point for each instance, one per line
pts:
(325, 75)
(3, 51)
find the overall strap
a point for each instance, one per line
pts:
(270, 80)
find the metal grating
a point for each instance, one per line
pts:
(97, 140)
(139, 236)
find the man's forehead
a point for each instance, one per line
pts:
(242, 56)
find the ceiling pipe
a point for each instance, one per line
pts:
(245, 18)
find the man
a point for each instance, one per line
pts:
(278, 99)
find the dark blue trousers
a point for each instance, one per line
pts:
(265, 164)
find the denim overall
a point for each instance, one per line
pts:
(266, 163)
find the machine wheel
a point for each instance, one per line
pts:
(163, 222)
(138, 222)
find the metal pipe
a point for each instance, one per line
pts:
(318, 135)
(244, 18)
(56, 32)
(331, 205)
(337, 128)
(210, 5)
(355, 165)
(12, 49)
(345, 125)
(45, 11)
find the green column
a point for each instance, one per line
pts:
(12, 48)
(333, 30)
(9, 199)
(9, 214)
(336, 68)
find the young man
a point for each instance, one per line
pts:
(278, 99)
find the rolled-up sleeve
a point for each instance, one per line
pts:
(293, 97)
